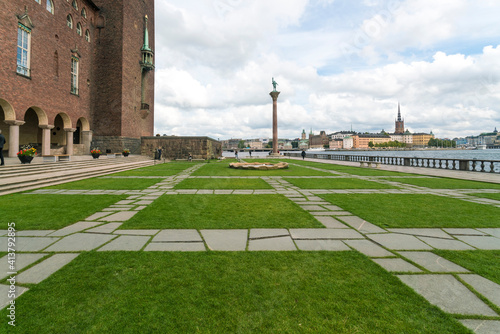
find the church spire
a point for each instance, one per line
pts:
(147, 54)
(399, 113)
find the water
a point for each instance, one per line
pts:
(443, 154)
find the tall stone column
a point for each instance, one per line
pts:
(274, 95)
(46, 138)
(69, 140)
(13, 136)
(86, 141)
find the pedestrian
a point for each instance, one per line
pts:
(236, 154)
(2, 142)
(190, 158)
(303, 154)
(250, 152)
(159, 153)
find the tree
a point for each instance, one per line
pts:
(241, 144)
(370, 144)
(269, 144)
(295, 144)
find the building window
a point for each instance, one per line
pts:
(37, 1)
(69, 21)
(23, 50)
(87, 35)
(79, 28)
(50, 6)
(74, 75)
(84, 12)
(74, 4)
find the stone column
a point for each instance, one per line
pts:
(274, 95)
(46, 138)
(69, 140)
(86, 140)
(13, 137)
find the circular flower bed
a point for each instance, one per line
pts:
(258, 165)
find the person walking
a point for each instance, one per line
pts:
(236, 154)
(159, 153)
(2, 142)
(303, 154)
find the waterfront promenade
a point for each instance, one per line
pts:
(412, 230)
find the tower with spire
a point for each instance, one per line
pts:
(400, 123)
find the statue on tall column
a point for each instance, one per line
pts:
(274, 85)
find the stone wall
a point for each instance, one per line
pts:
(180, 147)
(116, 144)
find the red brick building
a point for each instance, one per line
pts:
(76, 74)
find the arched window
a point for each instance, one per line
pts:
(74, 4)
(69, 21)
(87, 35)
(74, 75)
(50, 6)
(79, 28)
(37, 1)
(84, 12)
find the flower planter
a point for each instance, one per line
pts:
(125, 154)
(25, 159)
(95, 155)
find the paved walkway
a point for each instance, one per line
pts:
(406, 252)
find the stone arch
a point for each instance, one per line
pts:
(7, 110)
(42, 116)
(66, 120)
(85, 125)
(30, 132)
(57, 134)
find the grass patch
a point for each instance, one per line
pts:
(226, 292)
(337, 183)
(167, 169)
(100, 183)
(349, 169)
(223, 184)
(445, 183)
(481, 262)
(47, 212)
(490, 196)
(222, 169)
(221, 211)
(410, 210)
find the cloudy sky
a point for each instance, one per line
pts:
(338, 63)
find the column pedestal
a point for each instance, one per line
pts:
(86, 140)
(13, 137)
(274, 95)
(46, 138)
(69, 140)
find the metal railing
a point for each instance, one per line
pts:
(473, 165)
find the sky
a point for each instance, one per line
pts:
(339, 64)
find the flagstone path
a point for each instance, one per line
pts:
(404, 251)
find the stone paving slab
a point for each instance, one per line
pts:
(33, 233)
(330, 222)
(446, 244)
(225, 240)
(178, 236)
(399, 241)
(125, 202)
(119, 216)
(80, 242)
(144, 202)
(175, 247)
(433, 262)
(369, 248)
(482, 326)
(463, 231)
(262, 233)
(223, 192)
(4, 295)
(361, 225)
(397, 265)
(332, 207)
(44, 269)
(187, 191)
(484, 242)
(491, 231)
(487, 288)
(312, 208)
(98, 215)
(323, 233)
(447, 293)
(106, 228)
(321, 245)
(111, 209)
(330, 213)
(28, 244)
(76, 227)
(140, 207)
(21, 260)
(243, 192)
(424, 232)
(126, 243)
(136, 232)
(272, 244)
(205, 192)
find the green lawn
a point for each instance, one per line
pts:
(223, 184)
(490, 196)
(338, 183)
(348, 169)
(167, 169)
(221, 211)
(445, 183)
(482, 262)
(409, 210)
(225, 292)
(46, 212)
(222, 169)
(100, 183)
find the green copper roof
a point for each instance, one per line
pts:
(145, 46)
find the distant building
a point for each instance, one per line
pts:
(318, 141)
(361, 141)
(422, 139)
(400, 123)
(348, 143)
(336, 144)
(303, 135)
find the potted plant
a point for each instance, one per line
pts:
(26, 154)
(95, 153)
(126, 152)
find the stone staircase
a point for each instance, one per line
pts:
(17, 178)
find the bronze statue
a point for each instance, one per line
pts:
(274, 85)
